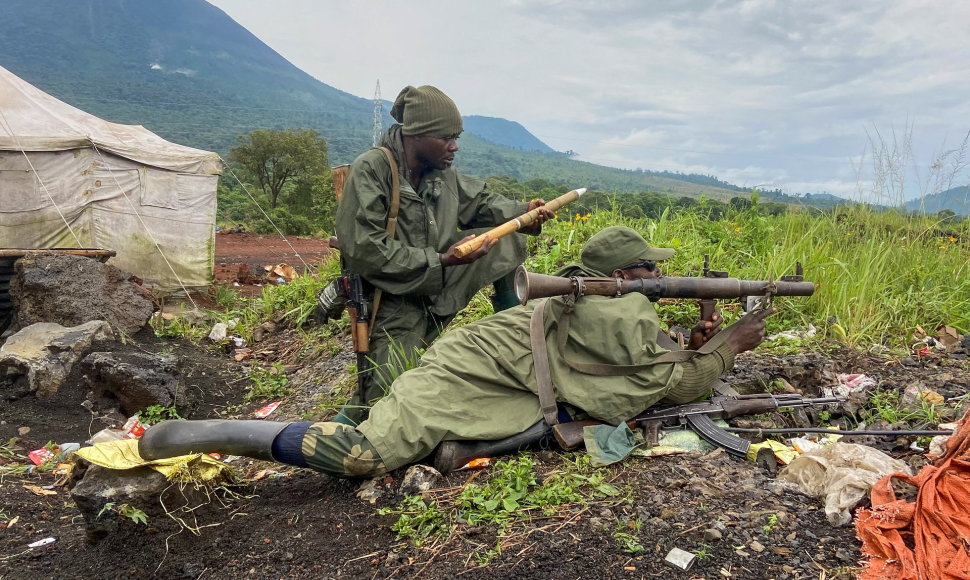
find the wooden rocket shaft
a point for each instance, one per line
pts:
(515, 224)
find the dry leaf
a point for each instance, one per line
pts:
(38, 490)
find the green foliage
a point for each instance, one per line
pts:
(416, 519)
(887, 406)
(399, 360)
(178, 327)
(770, 525)
(290, 173)
(157, 413)
(627, 541)
(267, 382)
(126, 511)
(512, 496)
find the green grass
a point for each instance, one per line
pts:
(880, 275)
(513, 495)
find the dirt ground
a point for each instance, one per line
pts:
(290, 523)
(246, 261)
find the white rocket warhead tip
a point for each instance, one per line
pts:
(581, 191)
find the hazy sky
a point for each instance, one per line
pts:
(786, 93)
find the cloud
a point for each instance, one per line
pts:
(755, 91)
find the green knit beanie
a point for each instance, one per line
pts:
(426, 111)
(616, 247)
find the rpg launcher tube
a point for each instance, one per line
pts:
(529, 286)
(514, 225)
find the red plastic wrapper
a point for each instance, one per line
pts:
(133, 428)
(40, 456)
(265, 411)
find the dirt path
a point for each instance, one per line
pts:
(242, 259)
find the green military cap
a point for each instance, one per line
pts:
(616, 247)
(425, 110)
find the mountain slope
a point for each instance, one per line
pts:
(186, 70)
(956, 199)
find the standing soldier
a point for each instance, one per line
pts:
(418, 282)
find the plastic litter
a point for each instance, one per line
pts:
(478, 463)
(841, 474)
(40, 456)
(218, 332)
(680, 559)
(795, 334)
(264, 412)
(39, 543)
(132, 429)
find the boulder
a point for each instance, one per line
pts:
(135, 380)
(71, 290)
(38, 358)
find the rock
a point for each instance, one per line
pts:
(38, 358)
(712, 535)
(136, 380)
(419, 478)
(98, 486)
(71, 290)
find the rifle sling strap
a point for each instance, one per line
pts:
(540, 355)
(608, 370)
(391, 223)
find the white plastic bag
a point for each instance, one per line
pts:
(842, 474)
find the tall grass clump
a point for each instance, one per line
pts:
(880, 274)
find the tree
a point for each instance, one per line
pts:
(287, 163)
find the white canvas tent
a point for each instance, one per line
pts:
(69, 179)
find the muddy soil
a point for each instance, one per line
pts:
(245, 261)
(282, 522)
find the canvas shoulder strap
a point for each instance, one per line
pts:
(540, 355)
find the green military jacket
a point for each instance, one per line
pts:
(478, 381)
(446, 207)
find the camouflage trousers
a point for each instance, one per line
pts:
(340, 450)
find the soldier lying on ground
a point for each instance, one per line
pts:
(478, 382)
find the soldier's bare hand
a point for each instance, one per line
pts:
(450, 259)
(704, 331)
(542, 217)
(750, 331)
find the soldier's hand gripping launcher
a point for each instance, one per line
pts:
(513, 225)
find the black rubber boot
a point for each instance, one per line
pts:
(451, 455)
(247, 438)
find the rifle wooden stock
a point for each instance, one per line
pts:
(515, 224)
(569, 435)
(529, 285)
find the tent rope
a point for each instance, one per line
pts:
(142, 221)
(9, 130)
(270, 220)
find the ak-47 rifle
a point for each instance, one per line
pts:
(698, 417)
(348, 292)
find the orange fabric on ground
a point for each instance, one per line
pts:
(928, 539)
